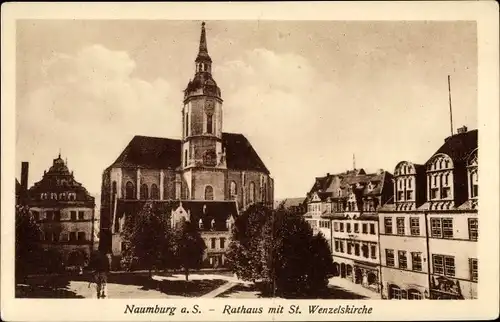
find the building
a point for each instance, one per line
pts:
(206, 166)
(428, 237)
(294, 206)
(65, 212)
(344, 208)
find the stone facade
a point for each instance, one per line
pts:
(65, 212)
(206, 164)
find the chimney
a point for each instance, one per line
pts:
(328, 174)
(462, 129)
(24, 176)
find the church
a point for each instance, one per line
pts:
(208, 175)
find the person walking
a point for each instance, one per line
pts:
(101, 267)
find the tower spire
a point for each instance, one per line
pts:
(203, 39)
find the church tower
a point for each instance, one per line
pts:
(202, 115)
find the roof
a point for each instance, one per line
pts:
(459, 146)
(219, 211)
(164, 153)
(293, 202)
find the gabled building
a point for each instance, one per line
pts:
(65, 212)
(429, 235)
(345, 206)
(206, 164)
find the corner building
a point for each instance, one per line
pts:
(428, 236)
(206, 165)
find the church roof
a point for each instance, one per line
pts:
(164, 153)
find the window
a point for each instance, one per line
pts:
(365, 250)
(400, 195)
(72, 236)
(251, 188)
(402, 261)
(209, 193)
(397, 294)
(336, 226)
(443, 265)
(144, 192)
(445, 193)
(473, 229)
(113, 188)
(36, 215)
(81, 215)
(73, 215)
(436, 228)
(341, 245)
(356, 249)
(356, 228)
(473, 269)
(123, 246)
(222, 242)
(342, 227)
(185, 158)
(373, 251)
(349, 248)
(414, 295)
(337, 245)
(414, 226)
(409, 195)
(200, 224)
(55, 237)
(212, 240)
(155, 192)
(434, 193)
(365, 228)
(416, 261)
(372, 229)
(388, 225)
(187, 124)
(233, 189)
(129, 190)
(389, 257)
(400, 223)
(57, 215)
(64, 236)
(81, 235)
(209, 123)
(447, 224)
(348, 227)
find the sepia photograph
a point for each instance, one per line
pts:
(256, 159)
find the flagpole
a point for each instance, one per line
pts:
(449, 99)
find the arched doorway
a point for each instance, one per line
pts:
(358, 276)
(372, 278)
(342, 270)
(348, 270)
(336, 269)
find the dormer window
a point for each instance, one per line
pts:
(370, 186)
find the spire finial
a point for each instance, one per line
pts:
(59, 153)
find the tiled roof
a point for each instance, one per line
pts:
(293, 202)
(459, 146)
(164, 153)
(220, 211)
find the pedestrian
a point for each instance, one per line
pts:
(100, 274)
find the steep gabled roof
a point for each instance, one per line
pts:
(459, 146)
(164, 153)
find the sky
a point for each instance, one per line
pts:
(307, 94)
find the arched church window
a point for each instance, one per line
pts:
(129, 190)
(233, 189)
(185, 158)
(209, 123)
(251, 197)
(144, 191)
(155, 192)
(209, 193)
(113, 188)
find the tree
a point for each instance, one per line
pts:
(321, 267)
(145, 236)
(28, 249)
(243, 256)
(188, 246)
